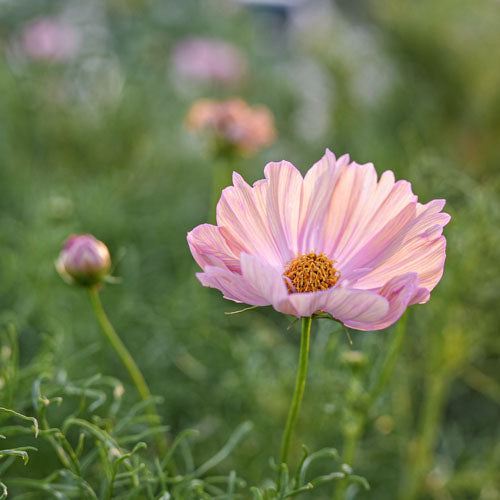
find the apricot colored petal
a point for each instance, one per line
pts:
(383, 204)
(284, 198)
(207, 243)
(265, 279)
(399, 292)
(242, 215)
(318, 189)
(423, 250)
(351, 198)
(384, 243)
(233, 285)
(342, 303)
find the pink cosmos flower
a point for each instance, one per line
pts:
(50, 39)
(208, 60)
(337, 240)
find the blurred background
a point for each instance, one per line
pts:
(93, 102)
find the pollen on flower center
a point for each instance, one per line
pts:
(310, 272)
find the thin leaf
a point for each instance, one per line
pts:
(325, 452)
(187, 457)
(101, 435)
(305, 454)
(231, 485)
(360, 480)
(232, 442)
(24, 417)
(334, 476)
(18, 452)
(125, 421)
(173, 446)
(80, 481)
(257, 495)
(139, 446)
(298, 491)
(160, 429)
(3, 490)
(283, 482)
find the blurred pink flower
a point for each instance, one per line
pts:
(50, 39)
(209, 61)
(84, 260)
(337, 240)
(233, 123)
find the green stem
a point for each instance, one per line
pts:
(127, 360)
(352, 437)
(119, 346)
(351, 440)
(300, 385)
(420, 456)
(389, 363)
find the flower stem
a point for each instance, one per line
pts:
(352, 437)
(127, 360)
(300, 385)
(420, 457)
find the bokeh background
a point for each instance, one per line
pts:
(93, 101)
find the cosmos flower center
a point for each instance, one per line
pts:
(310, 272)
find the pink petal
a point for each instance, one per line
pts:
(426, 258)
(421, 296)
(422, 251)
(318, 188)
(242, 214)
(351, 199)
(346, 212)
(233, 285)
(284, 198)
(265, 279)
(208, 246)
(384, 243)
(342, 303)
(400, 292)
(387, 201)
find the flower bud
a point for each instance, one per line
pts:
(83, 260)
(354, 359)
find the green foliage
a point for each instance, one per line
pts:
(102, 449)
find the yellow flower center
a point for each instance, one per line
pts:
(310, 272)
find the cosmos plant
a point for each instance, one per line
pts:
(337, 242)
(85, 261)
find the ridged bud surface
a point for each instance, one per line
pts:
(84, 260)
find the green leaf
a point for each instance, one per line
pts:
(257, 495)
(325, 452)
(232, 442)
(24, 417)
(3, 491)
(19, 452)
(176, 442)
